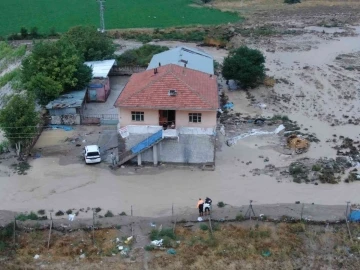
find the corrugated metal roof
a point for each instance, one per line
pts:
(72, 99)
(101, 68)
(196, 59)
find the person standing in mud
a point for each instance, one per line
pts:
(200, 206)
(113, 159)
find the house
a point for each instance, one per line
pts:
(67, 108)
(184, 56)
(168, 114)
(99, 87)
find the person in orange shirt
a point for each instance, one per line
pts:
(200, 206)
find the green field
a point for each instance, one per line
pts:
(62, 14)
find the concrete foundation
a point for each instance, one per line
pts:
(187, 149)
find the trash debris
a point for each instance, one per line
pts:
(36, 256)
(152, 224)
(300, 145)
(200, 219)
(222, 130)
(171, 251)
(125, 251)
(157, 243)
(117, 240)
(266, 253)
(82, 256)
(120, 248)
(66, 128)
(260, 105)
(228, 106)
(253, 132)
(128, 240)
(71, 217)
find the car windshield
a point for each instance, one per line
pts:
(92, 154)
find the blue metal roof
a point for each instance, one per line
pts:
(196, 59)
(72, 99)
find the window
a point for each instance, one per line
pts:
(195, 117)
(137, 116)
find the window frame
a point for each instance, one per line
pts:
(135, 114)
(195, 118)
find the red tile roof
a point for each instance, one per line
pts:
(195, 90)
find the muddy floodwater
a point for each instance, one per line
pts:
(315, 87)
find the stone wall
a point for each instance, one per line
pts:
(189, 148)
(70, 119)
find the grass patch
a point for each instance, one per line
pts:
(204, 227)
(31, 216)
(316, 168)
(157, 235)
(239, 217)
(108, 214)
(141, 56)
(8, 55)
(46, 15)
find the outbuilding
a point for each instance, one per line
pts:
(99, 88)
(67, 108)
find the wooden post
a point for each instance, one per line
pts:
(131, 211)
(302, 211)
(172, 209)
(174, 225)
(347, 224)
(210, 225)
(14, 231)
(93, 233)
(51, 225)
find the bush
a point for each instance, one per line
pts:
(246, 66)
(239, 217)
(69, 212)
(297, 228)
(221, 204)
(97, 209)
(292, 1)
(280, 117)
(157, 235)
(316, 167)
(204, 227)
(122, 213)
(41, 212)
(59, 213)
(108, 214)
(141, 56)
(31, 216)
(149, 248)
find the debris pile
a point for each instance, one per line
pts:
(300, 145)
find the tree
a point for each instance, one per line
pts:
(244, 65)
(45, 88)
(24, 32)
(92, 44)
(59, 64)
(19, 120)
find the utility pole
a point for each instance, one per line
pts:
(102, 21)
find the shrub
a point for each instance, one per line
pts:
(97, 209)
(297, 228)
(149, 248)
(31, 216)
(280, 117)
(41, 212)
(157, 235)
(316, 167)
(239, 217)
(204, 227)
(69, 212)
(108, 214)
(292, 1)
(122, 213)
(221, 204)
(59, 213)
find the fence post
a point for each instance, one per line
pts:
(172, 209)
(14, 231)
(210, 225)
(302, 210)
(93, 233)
(51, 225)
(131, 211)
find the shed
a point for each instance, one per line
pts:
(99, 87)
(185, 57)
(67, 108)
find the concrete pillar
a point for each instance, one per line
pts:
(139, 159)
(155, 154)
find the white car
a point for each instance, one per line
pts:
(92, 154)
